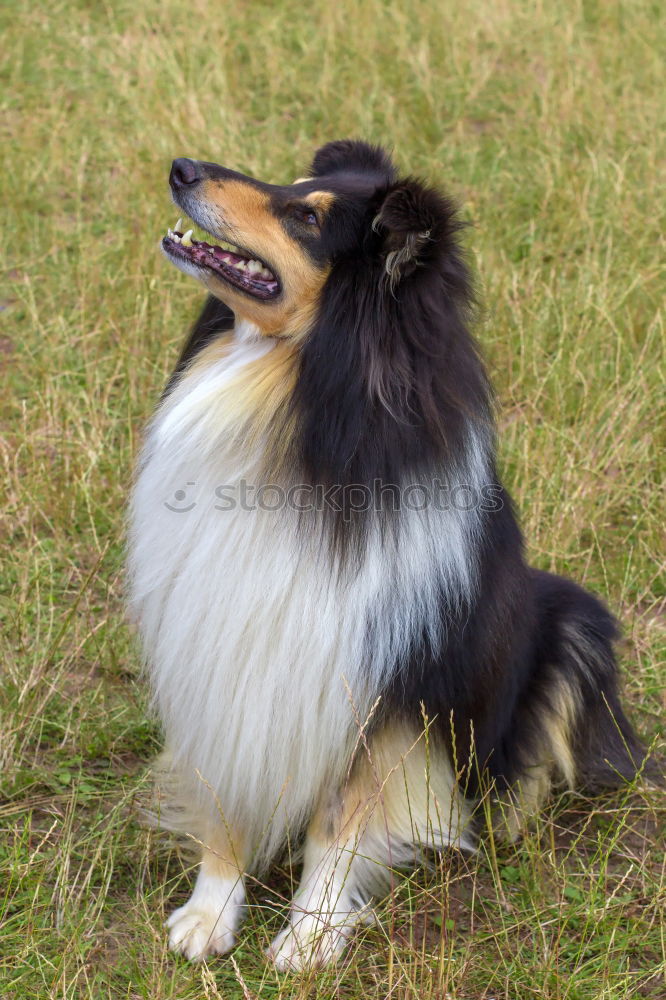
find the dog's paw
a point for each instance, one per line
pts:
(311, 941)
(196, 931)
(208, 922)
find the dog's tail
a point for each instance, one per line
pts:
(591, 740)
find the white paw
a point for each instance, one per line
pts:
(195, 932)
(311, 941)
(208, 922)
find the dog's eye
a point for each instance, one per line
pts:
(307, 216)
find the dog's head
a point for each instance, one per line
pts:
(273, 249)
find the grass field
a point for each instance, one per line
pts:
(544, 119)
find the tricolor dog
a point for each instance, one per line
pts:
(346, 646)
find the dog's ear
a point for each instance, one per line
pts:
(416, 224)
(351, 155)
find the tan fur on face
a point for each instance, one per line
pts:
(321, 200)
(244, 216)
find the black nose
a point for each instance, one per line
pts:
(184, 172)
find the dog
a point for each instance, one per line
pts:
(344, 640)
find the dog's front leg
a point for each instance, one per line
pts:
(208, 922)
(328, 902)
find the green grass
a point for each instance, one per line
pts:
(545, 120)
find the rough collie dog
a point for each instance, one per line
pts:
(342, 634)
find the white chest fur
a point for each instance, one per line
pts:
(262, 659)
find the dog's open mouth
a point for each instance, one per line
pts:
(235, 265)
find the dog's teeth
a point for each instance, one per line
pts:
(170, 233)
(187, 238)
(175, 237)
(179, 225)
(254, 267)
